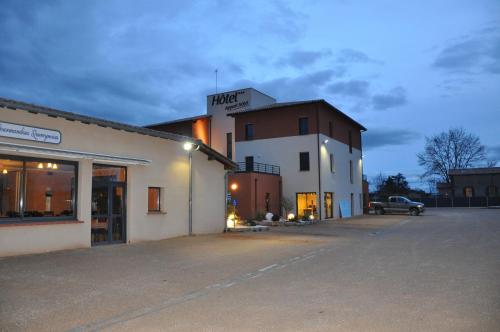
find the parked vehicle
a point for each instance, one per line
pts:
(398, 204)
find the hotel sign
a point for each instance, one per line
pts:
(18, 131)
(231, 101)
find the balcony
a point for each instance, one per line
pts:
(244, 167)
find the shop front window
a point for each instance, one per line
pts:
(306, 204)
(32, 189)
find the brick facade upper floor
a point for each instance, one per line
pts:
(299, 118)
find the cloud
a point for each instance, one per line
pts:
(494, 152)
(352, 88)
(380, 137)
(475, 54)
(301, 59)
(306, 86)
(354, 56)
(395, 97)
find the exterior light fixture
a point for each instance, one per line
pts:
(4, 171)
(234, 186)
(291, 216)
(54, 166)
(40, 165)
(325, 141)
(188, 146)
(49, 165)
(311, 217)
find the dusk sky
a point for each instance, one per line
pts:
(405, 70)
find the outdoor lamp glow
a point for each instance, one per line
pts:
(325, 141)
(4, 171)
(290, 216)
(234, 186)
(311, 217)
(188, 146)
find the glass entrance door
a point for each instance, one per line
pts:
(108, 204)
(108, 213)
(328, 205)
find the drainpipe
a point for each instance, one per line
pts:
(319, 162)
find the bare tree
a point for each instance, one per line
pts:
(450, 150)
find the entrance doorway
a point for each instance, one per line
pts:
(329, 205)
(108, 204)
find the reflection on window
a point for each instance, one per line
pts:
(37, 188)
(109, 173)
(306, 204)
(11, 172)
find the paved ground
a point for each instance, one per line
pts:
(438, 272)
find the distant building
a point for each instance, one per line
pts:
(472, 182)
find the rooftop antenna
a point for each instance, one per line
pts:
(216, 74)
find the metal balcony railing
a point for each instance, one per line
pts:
(244, 167)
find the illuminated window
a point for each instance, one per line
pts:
(306, 204)
(34, 189)
(154, 194)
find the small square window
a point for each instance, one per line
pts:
(154, 199)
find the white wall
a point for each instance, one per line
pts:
(169, 170)
(284, 152)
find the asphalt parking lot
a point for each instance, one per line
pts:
(436, 272)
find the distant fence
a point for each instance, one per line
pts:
(460, 201)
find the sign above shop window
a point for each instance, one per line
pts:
(18, 131)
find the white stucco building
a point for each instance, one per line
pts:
(72, 181)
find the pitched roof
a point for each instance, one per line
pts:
(18, 105)
(302, 102)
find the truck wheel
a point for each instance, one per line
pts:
(379, 211)
(414, 212)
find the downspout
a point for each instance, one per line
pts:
(319, 161)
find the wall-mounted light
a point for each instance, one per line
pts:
(5, 171)
(234, 186)
(49, 165)
(40, 165)
(54, 166)
(325, 141)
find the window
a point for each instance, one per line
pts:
(249, 132)
(361, 201)
(304, 161)
(306, 204)
(330, 128)
(249, 163)
(33, 189)
(350, 171)
(468, 192)
(350, 141)
(332, 163)
(154, 199)
(303, 126)
(229, 145)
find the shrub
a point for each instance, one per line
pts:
(260, 216)
(275, 218)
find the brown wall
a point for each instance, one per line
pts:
(340, 125)
(198, 129)
(284, 121)
(252, 188)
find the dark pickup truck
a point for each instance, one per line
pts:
(398, 204)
